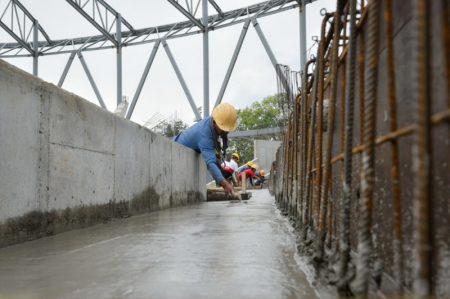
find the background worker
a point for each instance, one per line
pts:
(203, 137)
(232, 167)
(247, 165)
(260, 177)
(249, 172)
(233, 163)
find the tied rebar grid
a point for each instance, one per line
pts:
(350, 53)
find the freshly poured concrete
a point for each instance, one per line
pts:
(206, 250)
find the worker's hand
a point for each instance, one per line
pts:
(229, 191)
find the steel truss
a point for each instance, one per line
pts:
(109, 23)
(133, 37)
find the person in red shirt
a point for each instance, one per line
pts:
(249, 173)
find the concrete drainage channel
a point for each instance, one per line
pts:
(203, 250)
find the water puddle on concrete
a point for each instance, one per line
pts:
(207, 250)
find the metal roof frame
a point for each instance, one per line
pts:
(134, 37)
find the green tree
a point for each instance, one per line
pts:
(260, 115)
(173, 128)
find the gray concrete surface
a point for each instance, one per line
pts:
(205, 250)
(59, 151)
(265, 151)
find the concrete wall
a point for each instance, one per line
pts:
(265, 151)
(65, 162)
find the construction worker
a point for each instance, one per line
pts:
(247, 165)
(233, 163)
(203, 137)
(249, 171)
(231, 167)
(260, 178)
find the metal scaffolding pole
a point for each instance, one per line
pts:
(143, 78)
(302, 22)
(205, 60)
(232, 62)
(35, 47)
(181, 79)
(91, 80)
(119, 57)
(66, 69)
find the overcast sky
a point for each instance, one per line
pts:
(253, 77)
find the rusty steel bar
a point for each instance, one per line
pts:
(330, 129)
(285, 170)
(361, 75)
(437, 119)
(423, 278)
(395, 172)
(309, 164)
(446, 33)
(296, 157)
(365, 242)
(289, 163)
(345, 213)
(310, 146)
(304, 121)
(320, 89)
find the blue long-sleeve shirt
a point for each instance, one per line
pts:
(202, 138)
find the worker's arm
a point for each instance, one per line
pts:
(209, 155)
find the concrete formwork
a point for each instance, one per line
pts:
(365, 239)
(65, 162)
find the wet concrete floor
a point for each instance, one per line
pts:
(206, 250)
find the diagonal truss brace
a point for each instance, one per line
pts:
(237, 49)
(269, 52)
(91, 79)
(91, 20)
(114, 12)
(20, 33)
(187, 14)
(101, 26)
(181, 79)
(216, 7)
(143, 78)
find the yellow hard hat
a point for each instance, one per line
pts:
(225, 116)
(236, 155)
(251, 164)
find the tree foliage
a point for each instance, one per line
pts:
(260, 115)
(173, 128)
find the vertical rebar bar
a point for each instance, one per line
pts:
(330, 128)
(286, 147)
(347, 187)
(289, 162)
(368, 167)
(395, 173)
(295, 159)
(310, 146)
(320, 91)
(361, 75)
(423, 280)
(304, 135)
(446, 37)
